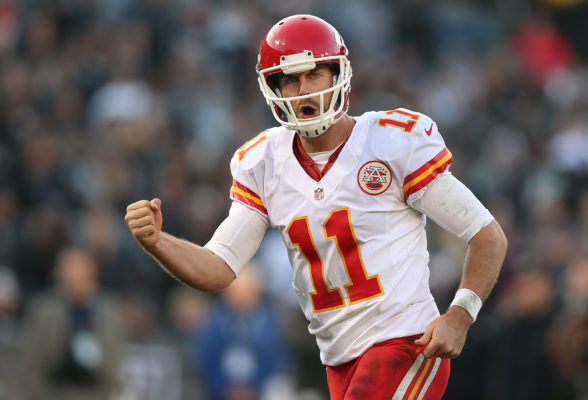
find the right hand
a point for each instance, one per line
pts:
(144, 220)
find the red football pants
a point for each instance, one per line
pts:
(391, 370)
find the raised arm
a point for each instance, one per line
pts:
(191, 264)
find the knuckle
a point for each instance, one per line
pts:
(141, 233)
(136, 205)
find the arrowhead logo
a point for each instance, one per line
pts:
(374, 177)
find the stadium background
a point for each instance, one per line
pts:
(106, 102)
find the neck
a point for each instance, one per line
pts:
(333, 137)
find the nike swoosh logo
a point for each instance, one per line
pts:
(430, 130)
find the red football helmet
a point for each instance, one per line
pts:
(297, 44)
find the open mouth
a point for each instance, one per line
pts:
(308, 111)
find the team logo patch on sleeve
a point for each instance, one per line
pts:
(374, 177)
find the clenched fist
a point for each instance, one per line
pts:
(144, 220)
(445, 336)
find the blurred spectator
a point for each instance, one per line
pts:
(582, 218)
(8, 23)
(521, 366)
(9, 212)
(187, 313)
(571, 19)
(11, 381)
(541, 47)
(240, 350)
(569, 332)
(42, 231)
(73, 334)
(568, 148)
(272, 258)
(150, 367)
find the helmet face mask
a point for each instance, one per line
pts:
(295, 45)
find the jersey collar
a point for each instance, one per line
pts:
(308, 164)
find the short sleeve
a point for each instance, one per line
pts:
(247, 169)
(427, 158)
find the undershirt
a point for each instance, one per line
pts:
(320, 158)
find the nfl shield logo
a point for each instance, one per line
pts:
(319, 193)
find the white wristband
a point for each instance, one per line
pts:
(468, 300)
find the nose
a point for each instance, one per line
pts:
(304, 85)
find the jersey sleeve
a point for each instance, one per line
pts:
(427, 157)
(454, 207)
(238, 237)
(247, 169)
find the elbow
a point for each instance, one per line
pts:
(500, 240)
(500, 245)
(503, 242)
(210, 275)
(217, 281)
(493, 239)
(213, 287)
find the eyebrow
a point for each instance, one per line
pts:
(277, 78)
(280, 75)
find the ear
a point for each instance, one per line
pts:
(335, 69)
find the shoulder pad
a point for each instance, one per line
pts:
(248, 167)
(403, 121)
(253, 148)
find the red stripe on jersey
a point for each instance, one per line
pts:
(425, 174)
(247, 196)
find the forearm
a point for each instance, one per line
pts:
(483, 260)
(446, 335)
(454, 207)
(191, 264)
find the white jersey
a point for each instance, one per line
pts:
(358, 250)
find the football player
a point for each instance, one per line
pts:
(349, 196)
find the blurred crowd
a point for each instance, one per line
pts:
(103, 103)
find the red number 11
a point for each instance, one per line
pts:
(338, 227)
